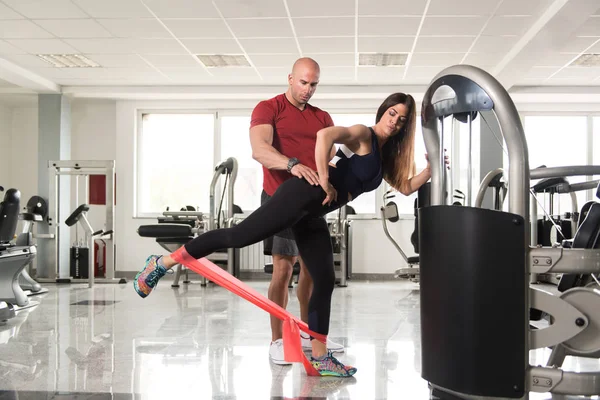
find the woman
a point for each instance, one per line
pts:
(366, 156)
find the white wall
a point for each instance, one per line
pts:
(24, 149)
(5, 146)
(93, 137)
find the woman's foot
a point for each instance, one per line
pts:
(147, 278)
(328, 365)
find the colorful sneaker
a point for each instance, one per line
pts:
(330, 366)
(146, 279)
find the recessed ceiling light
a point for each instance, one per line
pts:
(68, 61)
(382, 59)
(220, 60)
(587, 60)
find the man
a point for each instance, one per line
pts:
(283, 133)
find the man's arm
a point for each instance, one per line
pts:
(261, 140)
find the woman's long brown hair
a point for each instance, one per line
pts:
(398, 152)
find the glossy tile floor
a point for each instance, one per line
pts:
(206, 343)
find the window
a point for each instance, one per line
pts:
(235, 142)
(596, 136)
(556, 141)
(182, 177)
(365, 203)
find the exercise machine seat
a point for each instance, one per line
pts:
(166, 230)
(586, 237)
(13, 259)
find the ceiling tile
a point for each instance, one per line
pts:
(212, 46)
(385, 75)
(484, 59)
(336, 74)
(46, 8)
(595, 48)
(556, 59)
(423, 72)
(21, 29)
(28, 61)
(432, 44)
(262, 46)
(7, 48)
(74, 28)
(7, 13)
(172, 61)
(195, 28)
(333, 26)
(520, 7)
(102, 46)
(240, 72)
(436, 59)
(391, 7)
(452, 26)
(278, 73)
(578, 44)
(196, 71)
(261, 27)
(114, 8)
(579, 72)
(183, 8)
(158, 46)
(333, 59)
(118, 60)
(43, 46)
(326, 45)
(508, 25)
(463, 7)
(388, 26)
(274, 60)
(539, 72)
(385, 44)
(136, 28)
(251, 9)
(320, 8)
(590, 28)
(494, 44)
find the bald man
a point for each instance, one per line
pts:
(283, 133)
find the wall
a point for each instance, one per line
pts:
(5, 146)
(24, 146)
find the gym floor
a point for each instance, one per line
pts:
(206, 343)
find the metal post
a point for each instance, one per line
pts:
(470, 168)
(343, 230)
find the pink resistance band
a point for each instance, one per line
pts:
(292, 349)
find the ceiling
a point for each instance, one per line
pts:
(156, 42)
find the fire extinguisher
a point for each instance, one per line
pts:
(99, 262)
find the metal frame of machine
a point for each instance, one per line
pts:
(464, 89)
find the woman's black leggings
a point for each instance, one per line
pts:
(296, 204)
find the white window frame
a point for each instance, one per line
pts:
(137, 214)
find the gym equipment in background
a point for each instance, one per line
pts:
(56, 263)
(464, 250)
(176, 228)
(13, 258)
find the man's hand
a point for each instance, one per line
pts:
(302, 171)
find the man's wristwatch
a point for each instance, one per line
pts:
(292, 161)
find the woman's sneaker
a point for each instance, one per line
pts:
(331, 366)
(147, 278)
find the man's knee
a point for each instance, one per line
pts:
(282, 268)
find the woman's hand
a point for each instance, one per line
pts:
(446, 159)
(330, 191)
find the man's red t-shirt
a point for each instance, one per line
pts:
(294, 134)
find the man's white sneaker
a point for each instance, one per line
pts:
(276, 353)
(331, 345)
